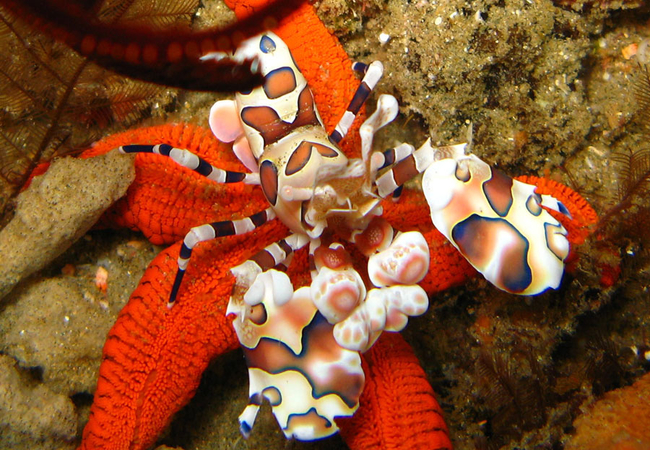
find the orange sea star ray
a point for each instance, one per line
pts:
(397, 397)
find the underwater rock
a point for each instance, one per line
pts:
(49, 325)
(57, 209)
(32, 416)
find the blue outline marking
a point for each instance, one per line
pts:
(555, 230)
(537, 201)
(497, 179)
(277, 71)
(267, 45)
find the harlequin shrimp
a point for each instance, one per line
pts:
(302, 346)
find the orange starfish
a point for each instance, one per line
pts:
(154, 356)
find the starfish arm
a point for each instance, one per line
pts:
(398, 408)
(154, 357)
(153, 360)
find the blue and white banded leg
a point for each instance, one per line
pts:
(194, 162)
(211, 231)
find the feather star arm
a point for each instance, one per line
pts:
(172, 58)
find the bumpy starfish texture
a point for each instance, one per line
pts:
(396, 397)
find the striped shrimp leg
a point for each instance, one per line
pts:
(415, 164)
(193, 162)
(211, 231)
(385, 113)
(382, 160)
(372, 75)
